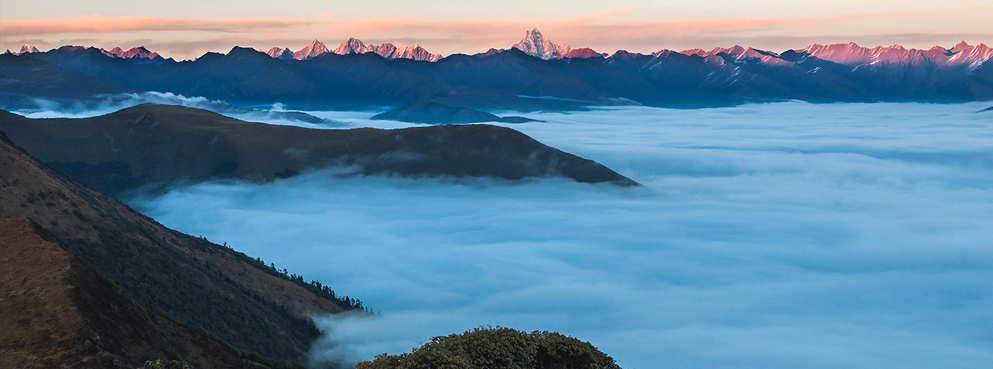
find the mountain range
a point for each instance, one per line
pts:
(535, 44)
(535, 74)
(139, 55)
(354, 46)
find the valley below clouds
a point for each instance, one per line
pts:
(776, 235)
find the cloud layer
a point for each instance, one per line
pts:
(769, 236)
(106, 104)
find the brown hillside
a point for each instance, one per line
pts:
(59, 312)
(189, 279)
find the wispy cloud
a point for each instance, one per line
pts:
(99, 24)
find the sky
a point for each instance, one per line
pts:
(185, 29)
(778, 235)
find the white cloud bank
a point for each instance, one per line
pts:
(769, 236)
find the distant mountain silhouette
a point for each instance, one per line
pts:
(435, 113)
(513, 80)
(139, 55)
(156, 144)
(22, 79)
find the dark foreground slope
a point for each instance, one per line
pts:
(498, 348)
(59, 312)
(189, 279)
(151, 144)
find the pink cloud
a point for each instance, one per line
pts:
(98, 24)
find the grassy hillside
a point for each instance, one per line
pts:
(189, 279)
(59, 312)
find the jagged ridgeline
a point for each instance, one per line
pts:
(535, 74)
(485, 348)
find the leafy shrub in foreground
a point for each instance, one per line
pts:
(498, 348)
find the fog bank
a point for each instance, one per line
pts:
(768, 236)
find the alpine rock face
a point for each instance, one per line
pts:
(738, 54)
(280, 53)
(351, 46)
(389, 51)
(315, 49)
(584, 53)
(355, 46)
(27, 49)
(854, 55)
(397, 50)
(538, 46)
(139, 55)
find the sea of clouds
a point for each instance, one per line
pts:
(766, 236)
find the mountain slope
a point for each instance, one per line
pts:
(22, 79)
(234, 297)
(150, 144)
(59, 312)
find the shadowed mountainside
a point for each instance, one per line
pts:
(59, 312)
(153, 144)
(435, 113)
(514, 80)
(236, 298)
(23, 79)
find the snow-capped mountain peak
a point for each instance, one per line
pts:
(315, 49)
(27, 48)
(280, 53)
(139, 52)
(536, 45)
(391, 51)
(855, 55)
(351, 46)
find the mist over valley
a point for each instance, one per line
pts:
(846, 234)
(698, 185)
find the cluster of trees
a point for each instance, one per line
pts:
(484, 348)
(316, 287)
